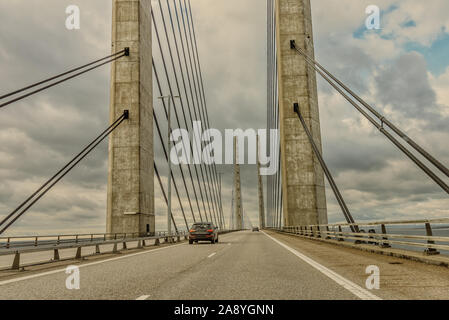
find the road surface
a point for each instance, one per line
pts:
(243, 265)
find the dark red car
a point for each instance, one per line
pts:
(203, 231)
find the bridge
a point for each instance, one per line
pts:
(157, 88)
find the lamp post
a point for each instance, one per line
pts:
(169, 213)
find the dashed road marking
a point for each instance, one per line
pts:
(87, 265)
(143, 297)
(211, 255)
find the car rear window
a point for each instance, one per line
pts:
(201, 226)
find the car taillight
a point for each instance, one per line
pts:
(210, 230)
(192, 230)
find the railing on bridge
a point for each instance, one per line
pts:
(408, 235)
(31, 244)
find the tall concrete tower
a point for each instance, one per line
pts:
(130, 198)
(304, 200)
(238, 213)
(260, 185)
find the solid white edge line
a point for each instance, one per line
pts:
(211, 255)
(143, 297)
(86, 265)
(345, 283)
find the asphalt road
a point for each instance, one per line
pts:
(243, 265)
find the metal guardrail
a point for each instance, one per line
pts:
(26, 241)
(382, 238)
(29, 244)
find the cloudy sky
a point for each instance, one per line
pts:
(402, 69)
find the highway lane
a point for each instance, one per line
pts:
(243, 265)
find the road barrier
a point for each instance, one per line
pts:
(399, 233)
(30, 244)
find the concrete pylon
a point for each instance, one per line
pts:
(238, 191)
(304, 199)
(130, 198)
(260, 184)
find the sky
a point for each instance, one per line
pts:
(401, 69)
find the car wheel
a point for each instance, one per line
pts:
(216, 240)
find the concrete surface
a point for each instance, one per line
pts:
(243, 265)
(304, 197)
(130, 198)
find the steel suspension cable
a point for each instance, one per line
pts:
(213, 177)
(172, 176)
(125, 53)
(193, 101)
(62, 173)
(57, 173)
(177, 86)
(188, 104)
(202, 102)
(164, 194)
(410, 155)
(62, 74)
(174, 104)
(329, 177)
(196, 95)
(382, 118)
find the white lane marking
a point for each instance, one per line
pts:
(211, 255)
(345, 283)
(143, 297)
(86, 265)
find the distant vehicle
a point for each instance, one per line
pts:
(255, 229)
(203, 231)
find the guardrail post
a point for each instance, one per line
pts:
(359, 236)
(91, 238)
(124, 246)
(371, 231)
(16, 262)
(8, 243)
(327, 233)
(78, 253)
(318, 232)
(430, 251)
(384, 243)
(340, 234)
(59, 240)
(55, 254)
(157, 242)
(114, 250)
(139, 244)
(97, 249)
(76, 239)
(312, 233)
(35, 242)
(179, 238)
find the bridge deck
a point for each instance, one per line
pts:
(244, 265)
